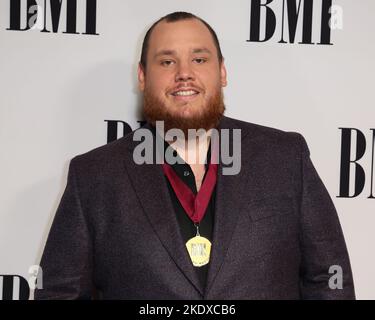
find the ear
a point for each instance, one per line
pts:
(141, 77)
(223, 74)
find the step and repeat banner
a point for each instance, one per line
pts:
(68, 81)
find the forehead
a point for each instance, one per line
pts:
(184, 34)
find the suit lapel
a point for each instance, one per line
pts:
(150, 186)
(229, 202)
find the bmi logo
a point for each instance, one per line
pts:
(53, 15)
(15, 287)
(118, 128)
(354, 173)
(281, 19)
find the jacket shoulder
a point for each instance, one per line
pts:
(268, 136)
(104, 157)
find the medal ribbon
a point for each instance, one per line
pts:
(195, 205)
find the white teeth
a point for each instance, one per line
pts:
(185, 93)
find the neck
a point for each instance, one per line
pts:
(193, 150)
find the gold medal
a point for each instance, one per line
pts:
(199, 249)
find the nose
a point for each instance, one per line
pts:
(184, 73)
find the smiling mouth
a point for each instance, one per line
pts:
(185, 93)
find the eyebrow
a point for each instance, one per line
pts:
(202, 50)
(167, 52)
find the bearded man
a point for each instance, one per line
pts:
(185, 230)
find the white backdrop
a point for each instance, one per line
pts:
(58, 89)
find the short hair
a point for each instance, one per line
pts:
(174, 17)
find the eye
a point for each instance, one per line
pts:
(166, 63)
(200, 60)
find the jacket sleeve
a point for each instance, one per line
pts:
(67, 258)
(322, 241)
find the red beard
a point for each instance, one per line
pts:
(209, 117)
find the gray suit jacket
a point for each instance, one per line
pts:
(276, 232)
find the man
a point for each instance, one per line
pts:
(186, 230)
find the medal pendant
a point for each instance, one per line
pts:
(199, 249)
